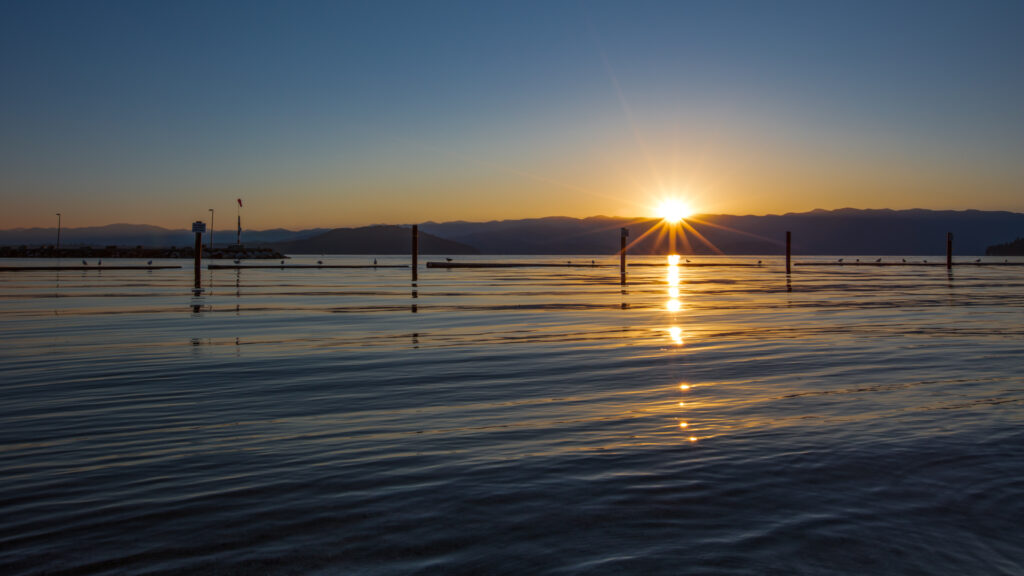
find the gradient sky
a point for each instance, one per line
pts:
(351, 113)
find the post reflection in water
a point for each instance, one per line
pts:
(197, 303)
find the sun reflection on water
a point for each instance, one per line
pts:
(672, 279)
(675, 332)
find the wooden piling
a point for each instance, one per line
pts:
(949, 250)
(198, 259)
(415, 250)
(623, 233)
(789, 243)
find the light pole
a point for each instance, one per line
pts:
(58, 232)
(211, 229)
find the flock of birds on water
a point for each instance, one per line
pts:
(904, 260)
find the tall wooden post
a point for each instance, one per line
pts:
(949, 250)
(789, 243)
(198, 228)
(415, 250)
(622, 254)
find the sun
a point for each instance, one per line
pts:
(673, 210)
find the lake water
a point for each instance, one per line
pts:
(700, 420)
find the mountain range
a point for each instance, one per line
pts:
(845, 231)
(143, 235)
(373, 240)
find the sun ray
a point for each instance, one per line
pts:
(649, 231)
(728, 229)
(703, 239)
(687, 248)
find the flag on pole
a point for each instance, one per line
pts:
(239, 202)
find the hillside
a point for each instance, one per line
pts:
(1015, 248)
(373, 240)
(847, 231)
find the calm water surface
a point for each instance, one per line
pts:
(700, 420)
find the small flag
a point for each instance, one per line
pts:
(239, 202)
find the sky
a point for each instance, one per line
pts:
(327, 114)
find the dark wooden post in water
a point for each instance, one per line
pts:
(622, 255)
(198, 228)
(789, 242)
(415, 250)
(949, 250)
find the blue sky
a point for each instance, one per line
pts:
(334, 114)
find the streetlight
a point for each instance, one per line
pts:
(58, 232)
(211, 229)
